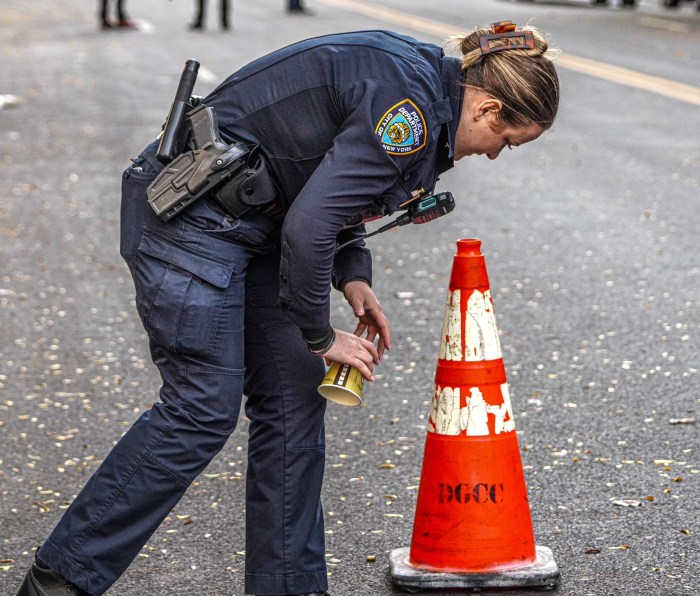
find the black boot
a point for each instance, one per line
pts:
(41, 581)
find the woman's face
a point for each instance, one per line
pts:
(479, 131)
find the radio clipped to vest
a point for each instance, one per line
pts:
(235, 175)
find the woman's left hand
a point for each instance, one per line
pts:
(369, 312)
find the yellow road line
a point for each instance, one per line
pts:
(632, 78)
(664, 25)
(594, 68)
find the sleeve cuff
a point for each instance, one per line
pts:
(318, 336)
(347, 280)
(321, 346)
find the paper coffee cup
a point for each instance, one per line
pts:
(342, 384)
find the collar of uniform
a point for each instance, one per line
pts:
(453, 92)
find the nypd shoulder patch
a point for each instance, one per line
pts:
(402, 129)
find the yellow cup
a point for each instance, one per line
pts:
(342, 384)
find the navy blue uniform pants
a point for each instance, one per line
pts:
(207, 293)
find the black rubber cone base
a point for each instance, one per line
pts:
(542, 574)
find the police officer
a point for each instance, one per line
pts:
(350, 126)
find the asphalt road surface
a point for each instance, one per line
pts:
(591, 237)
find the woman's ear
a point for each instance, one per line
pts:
(490, 107)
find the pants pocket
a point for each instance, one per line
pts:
(180, 294)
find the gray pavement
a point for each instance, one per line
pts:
(591, 241)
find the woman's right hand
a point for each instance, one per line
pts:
(355, 351)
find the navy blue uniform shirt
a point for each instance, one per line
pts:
(348, 123)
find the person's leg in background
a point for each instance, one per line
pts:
(199, 18)
(224, 14)
(104, 17)
(123, 18)
(286, 452)
(296, 7)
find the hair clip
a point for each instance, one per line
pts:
(503, 26)
(504, 29)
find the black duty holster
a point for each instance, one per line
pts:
(234, 175)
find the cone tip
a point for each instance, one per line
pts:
(469, 247)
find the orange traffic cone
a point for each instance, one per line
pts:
(472, 526)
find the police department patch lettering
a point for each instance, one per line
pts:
(402, 129)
